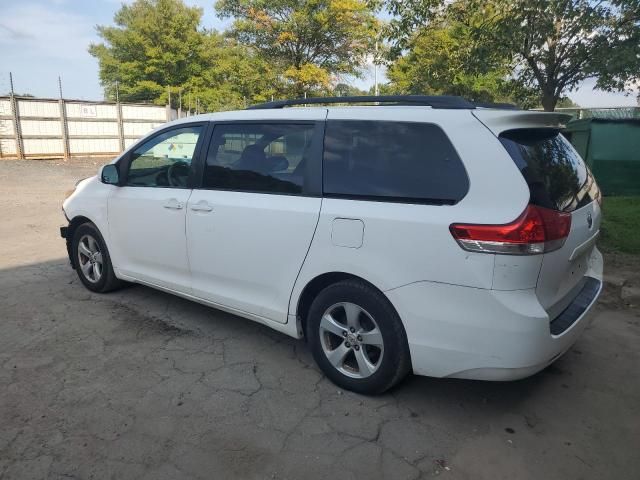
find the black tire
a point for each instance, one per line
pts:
(107, 280)
(394, 360)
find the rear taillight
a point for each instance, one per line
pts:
(537, 230)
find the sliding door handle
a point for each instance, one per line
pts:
(173, 204)
(201, 206)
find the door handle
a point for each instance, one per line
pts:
(173, 204)
(201, 206)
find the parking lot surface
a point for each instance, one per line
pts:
(143, 384)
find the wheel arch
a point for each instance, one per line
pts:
(320, 282)
(74, 223)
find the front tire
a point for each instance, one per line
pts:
(92, 261)
(356, 338)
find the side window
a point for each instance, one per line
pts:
(164, 160)
(395, 161)
(268, 158)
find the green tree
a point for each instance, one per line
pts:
(566, 102)
(346, 90)
(441, 58)
(154, 44)
(552, 46)
(557, 44)
(230, 75)
(407, 18)
(157, 47)
(308, 40)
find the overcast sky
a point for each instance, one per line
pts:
(41, 39)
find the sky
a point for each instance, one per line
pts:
(43, 39)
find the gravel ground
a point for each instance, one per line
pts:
(142, 384)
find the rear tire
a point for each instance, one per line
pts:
(357, 338)
(92, 261)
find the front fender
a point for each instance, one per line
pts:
(89, 202)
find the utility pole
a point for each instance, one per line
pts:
(180, 103)
(119, 118)
(64, 126)
(17, 130)
(167, 107)
(376, 91)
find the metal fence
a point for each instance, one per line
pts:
(43, 127)
(622, 113)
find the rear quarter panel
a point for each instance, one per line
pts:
(405, 243)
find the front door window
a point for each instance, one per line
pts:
(164, 160)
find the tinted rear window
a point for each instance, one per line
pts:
(259, 157)
(392, 161)
(557, 176)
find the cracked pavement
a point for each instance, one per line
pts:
(142, 384)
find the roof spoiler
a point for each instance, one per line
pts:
(499, 121)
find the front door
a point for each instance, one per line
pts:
(250, 224)
(147, 213)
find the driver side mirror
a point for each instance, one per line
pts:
(109, 175)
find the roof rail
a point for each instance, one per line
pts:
(439, 101)
(500, 106)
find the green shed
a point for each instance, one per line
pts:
(611, 148)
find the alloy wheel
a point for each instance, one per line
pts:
(90, 258)
(351, 340)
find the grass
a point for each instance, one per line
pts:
(621, 225)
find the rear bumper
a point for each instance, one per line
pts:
(578, 306)
(463, 332)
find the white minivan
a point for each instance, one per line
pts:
(414, 234)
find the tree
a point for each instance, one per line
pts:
(566, 102)
(441, 58)
(551, 45)
(408, 17)
(153, 45)
(346, 90)
(230, 75)
(157, 47)
(557, 44)
(308, 40)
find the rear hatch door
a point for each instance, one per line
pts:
(560, 180)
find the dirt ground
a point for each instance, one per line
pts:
(142, 384)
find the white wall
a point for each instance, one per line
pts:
(92, 127)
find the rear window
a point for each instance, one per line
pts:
(258, 157)
(557, 177)
(392, 161)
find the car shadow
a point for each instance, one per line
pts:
(54, 284)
